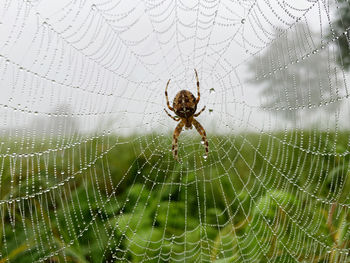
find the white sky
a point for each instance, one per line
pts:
(109, 61)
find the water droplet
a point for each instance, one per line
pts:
(212, 91)
(205, 157)
(94, 7)
(243, 21)
(202, 142)
(210, 111)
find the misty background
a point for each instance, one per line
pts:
(88, 173)
(71, 67)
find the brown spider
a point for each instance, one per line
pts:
(185, 106)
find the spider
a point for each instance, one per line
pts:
(185, 106)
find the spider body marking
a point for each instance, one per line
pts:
(185, 106)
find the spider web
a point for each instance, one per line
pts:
(87, 173)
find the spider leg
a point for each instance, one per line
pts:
(201, 131)
(198, 93)
(176, 134)
(197, 114)
(166, 97)
(174, 118)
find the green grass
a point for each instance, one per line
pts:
(258, 198)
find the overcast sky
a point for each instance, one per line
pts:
(106, 63)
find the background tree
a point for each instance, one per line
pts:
(295, 76)
(340, 26)
(61, 122)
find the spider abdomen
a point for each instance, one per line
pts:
(184, 104)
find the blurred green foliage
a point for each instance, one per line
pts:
(258, 198)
